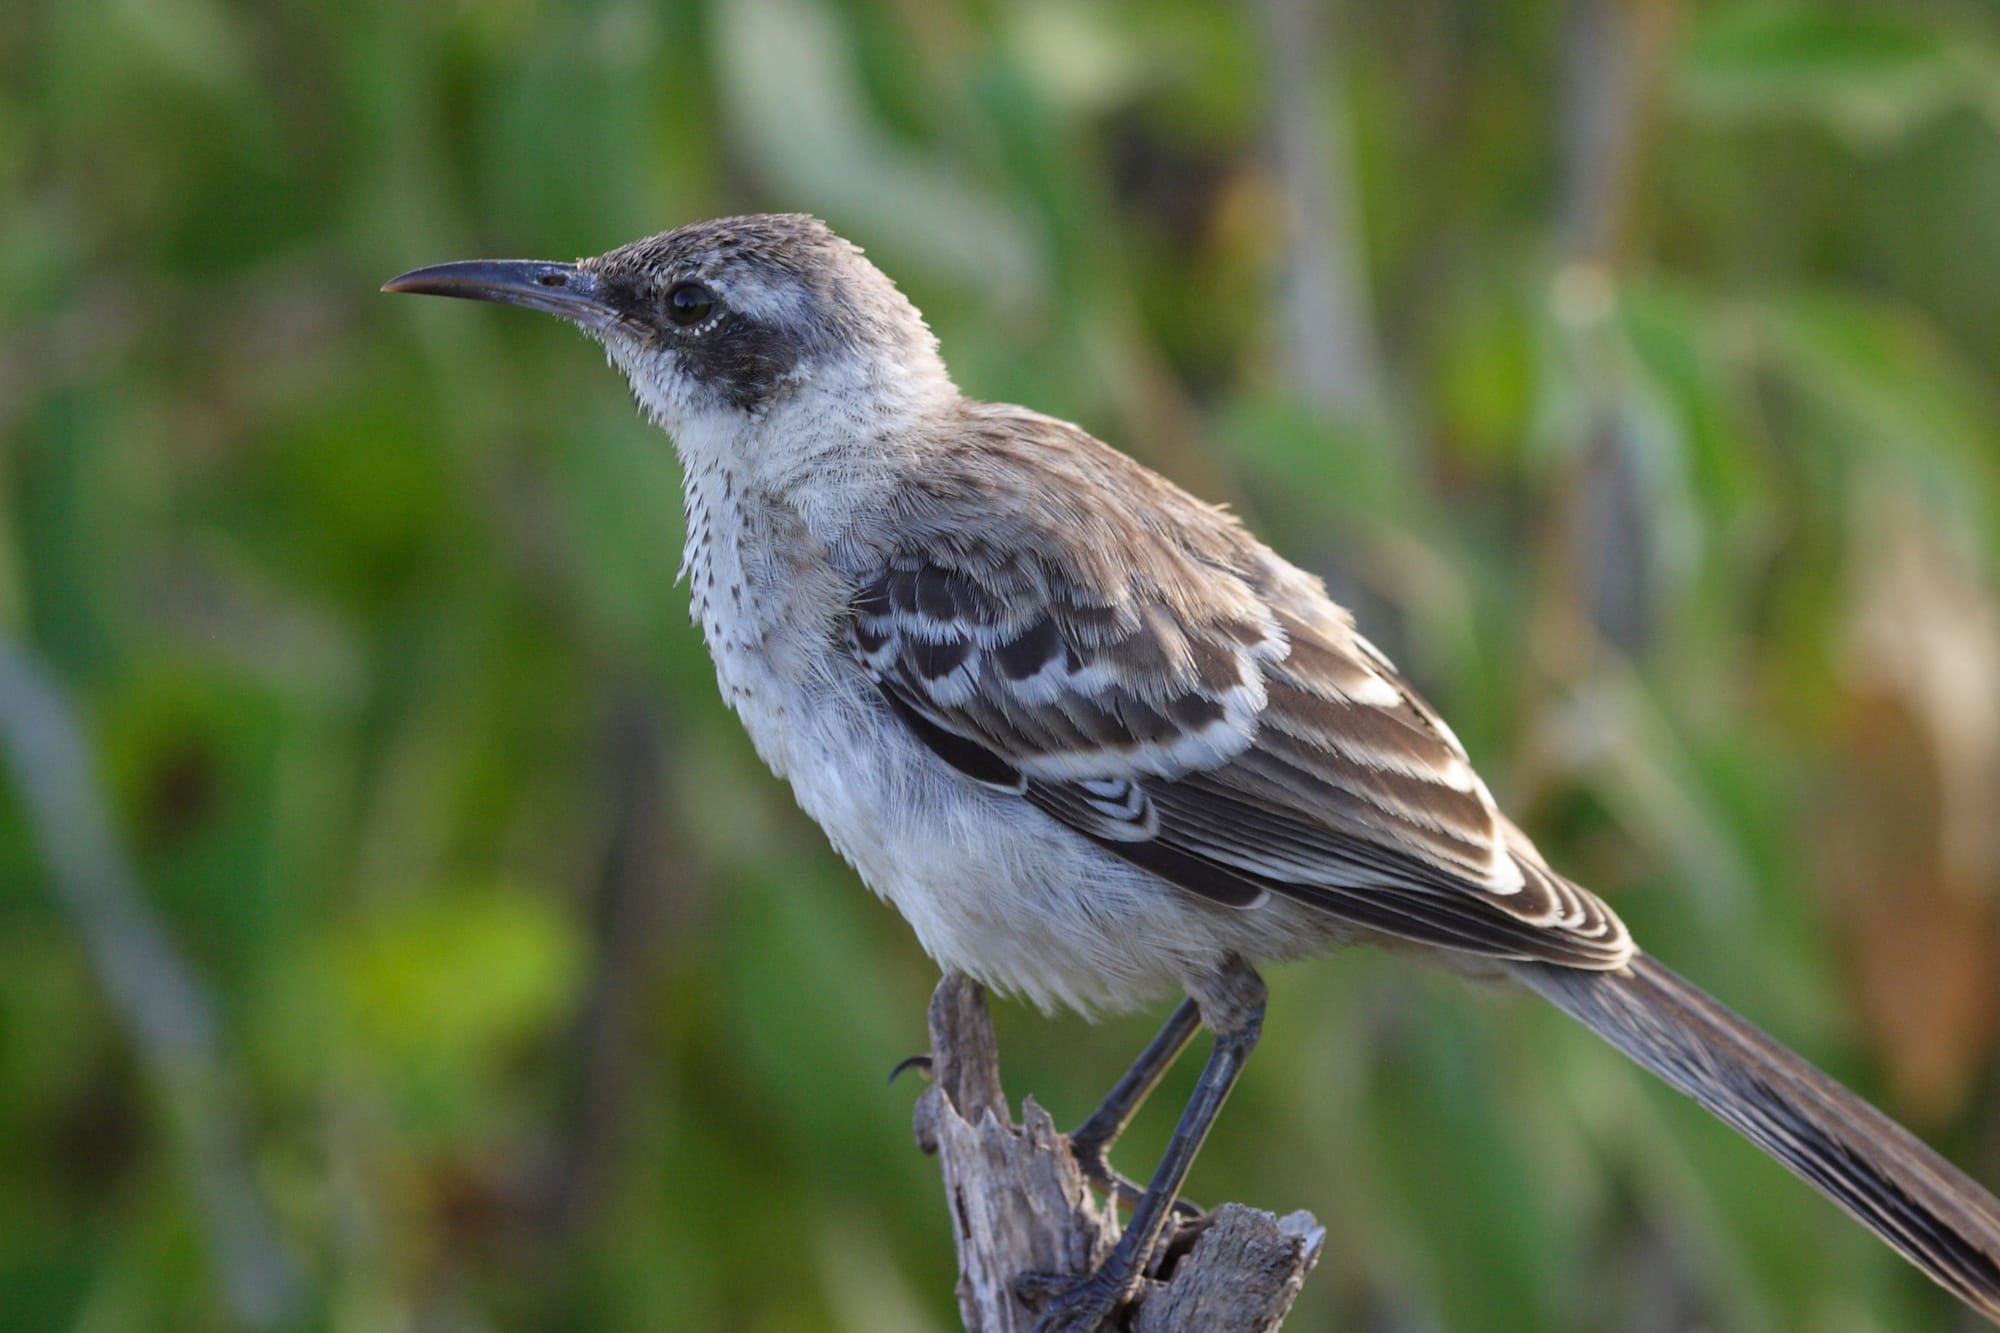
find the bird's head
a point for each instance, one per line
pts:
(720, 325)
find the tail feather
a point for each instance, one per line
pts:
(1936, 1216)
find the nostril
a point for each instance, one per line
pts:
(553, 280)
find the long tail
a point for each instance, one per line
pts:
(1933, 1213)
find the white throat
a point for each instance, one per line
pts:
(824, 447)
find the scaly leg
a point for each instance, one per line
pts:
(1232, 1004)
(1090, 1143)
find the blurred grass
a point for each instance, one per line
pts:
(549, 1010)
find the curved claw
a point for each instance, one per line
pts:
(922, 1062)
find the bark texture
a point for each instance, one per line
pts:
(1019, 1204)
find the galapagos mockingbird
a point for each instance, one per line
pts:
(1095, 741)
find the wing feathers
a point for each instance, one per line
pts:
(1179, 694)
(1068, 688)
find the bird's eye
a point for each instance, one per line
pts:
(689, 303)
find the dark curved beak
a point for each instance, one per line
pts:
(559, 289)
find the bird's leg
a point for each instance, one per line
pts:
(1090, 1143)
(1231, 1002)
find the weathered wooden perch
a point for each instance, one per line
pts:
(1019, 1204)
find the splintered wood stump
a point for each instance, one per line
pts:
(1019, 1204)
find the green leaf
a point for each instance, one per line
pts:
(1870, 74)
(1884, 384)
(446, 984)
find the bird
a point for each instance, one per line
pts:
(1100, 745)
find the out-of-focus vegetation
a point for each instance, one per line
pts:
(1630, 367)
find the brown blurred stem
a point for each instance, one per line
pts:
(1614, 52)
(1326, 339)
(1020, 1204)
(154, 992)
(1612, 69)
(632, 893)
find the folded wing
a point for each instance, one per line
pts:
(1201, 709)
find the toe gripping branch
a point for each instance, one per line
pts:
(1038, 1250)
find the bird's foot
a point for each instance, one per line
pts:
(1072, 1304)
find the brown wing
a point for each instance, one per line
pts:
(1156, 680)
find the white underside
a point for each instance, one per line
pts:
(993, 886)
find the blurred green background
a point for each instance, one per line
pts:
(397, 933)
